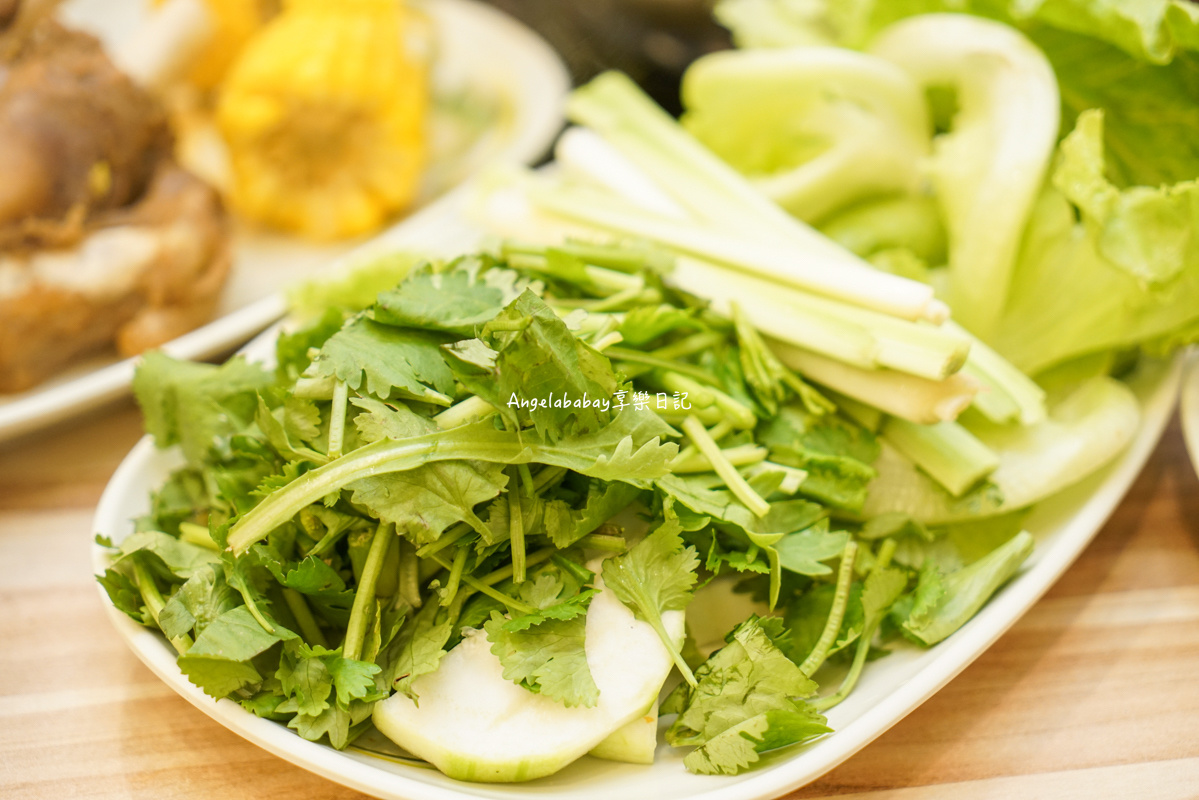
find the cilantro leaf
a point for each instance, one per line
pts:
(220, 660)
(803, 551)
(419, 647)
(181, 559)
(289, 426)
(196, 405)
(318, 677)
(379, 420)
(537, 358)
(293, 349)
(737, 748)
(747, 677)
(197, 603)
(784, 517)
(655, 576)
(547, 657)
(123, 593)
(388, 362)
(566, 524)
(835, 453)
(423, 502)
(643, 324)
(555, 593)
(458, 300)
(945, 603)
(307, 679)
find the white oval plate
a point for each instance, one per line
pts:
(890, 688)
(1188, 407)
(479, 50)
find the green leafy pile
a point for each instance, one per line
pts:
(343, 516)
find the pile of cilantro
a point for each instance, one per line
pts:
(344, 515)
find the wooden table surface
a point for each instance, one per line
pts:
(1094, 694)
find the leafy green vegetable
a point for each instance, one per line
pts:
(803, 551)
(349, 290)
(945, 602)
(547, 657)
(459, 300)
(338, 531)
(738, 747)
(744, 702)
(1132, 262)
(388, 362)
(220, 660)
(532, 357)
(423, 502)
(196, 405)
(419, 647)
(656, 576)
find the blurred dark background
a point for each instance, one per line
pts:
(652, 40)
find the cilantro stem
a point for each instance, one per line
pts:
(308, 625)
(365, 594)
(633, 296)
(448, 538)
(337, 419)
(886, 552)
(776, 575)
(851, 678)
(836, 616)
(252, 607)
(452, 583)
(504, 573)
(740, 415)
(690, 345)
(708, 416)
(516, 536)
(526, 480)
(720, 430)
(154, 602)
(472, 409)
(198, 535)
(671, 353)
(604, 541)
(409, 574)
(494, 594)
(649, 360)
(728, 473)
(607, 341)
(740, 456)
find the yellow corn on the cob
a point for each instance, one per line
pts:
(324, 115)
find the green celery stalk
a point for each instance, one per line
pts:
(950, 454)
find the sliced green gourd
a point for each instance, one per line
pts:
(635, 743)
(474, 725)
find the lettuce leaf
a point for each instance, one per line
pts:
(1126, 274)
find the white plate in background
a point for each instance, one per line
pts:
(1188, 406)
(481, 56)
(889, 689)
